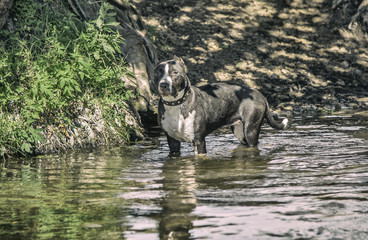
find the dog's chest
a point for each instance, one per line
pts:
(177, 125)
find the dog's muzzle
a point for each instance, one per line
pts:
(165, 88)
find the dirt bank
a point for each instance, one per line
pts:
(299, 54)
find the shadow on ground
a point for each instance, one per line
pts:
(295, 52)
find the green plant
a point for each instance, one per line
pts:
(50, 64)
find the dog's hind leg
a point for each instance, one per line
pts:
(247, 133)
(238, 131)
(252, 134)
(252, 128)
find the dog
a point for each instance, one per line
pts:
(188, 114)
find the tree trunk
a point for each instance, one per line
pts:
(140, 53)
(5, 6)
(360, 17)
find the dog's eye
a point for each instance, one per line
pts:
(175, 73)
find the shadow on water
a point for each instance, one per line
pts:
(308, 182)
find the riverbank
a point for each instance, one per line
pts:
(63, 81)
(299, 54)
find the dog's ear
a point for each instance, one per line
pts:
(158, 63)
(179, 59)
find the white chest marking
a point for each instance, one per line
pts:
(178, 127)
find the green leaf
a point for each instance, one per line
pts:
(34, 91)
(99, 23)
(67, 91)
(112, 24)
(97, 55)
(62, 83)
(35, 115)
(26, 147)
(81, 75)
(36, 134)
(77, 88)
(84, 63)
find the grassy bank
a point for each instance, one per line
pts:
(61, 80)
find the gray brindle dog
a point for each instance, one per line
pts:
(188, 114)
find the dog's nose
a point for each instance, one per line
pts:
(164, 86)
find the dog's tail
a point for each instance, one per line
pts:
(273, 122)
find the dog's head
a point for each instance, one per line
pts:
(171, 80)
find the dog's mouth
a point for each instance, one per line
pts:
(165, 94)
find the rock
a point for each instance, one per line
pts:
(345, 64)
(5, 6)
(358, 72)
(340, 83)
(274, 76)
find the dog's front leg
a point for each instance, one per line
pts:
(174, 145)
(199, 147)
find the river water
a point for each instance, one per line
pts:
(307, 182)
